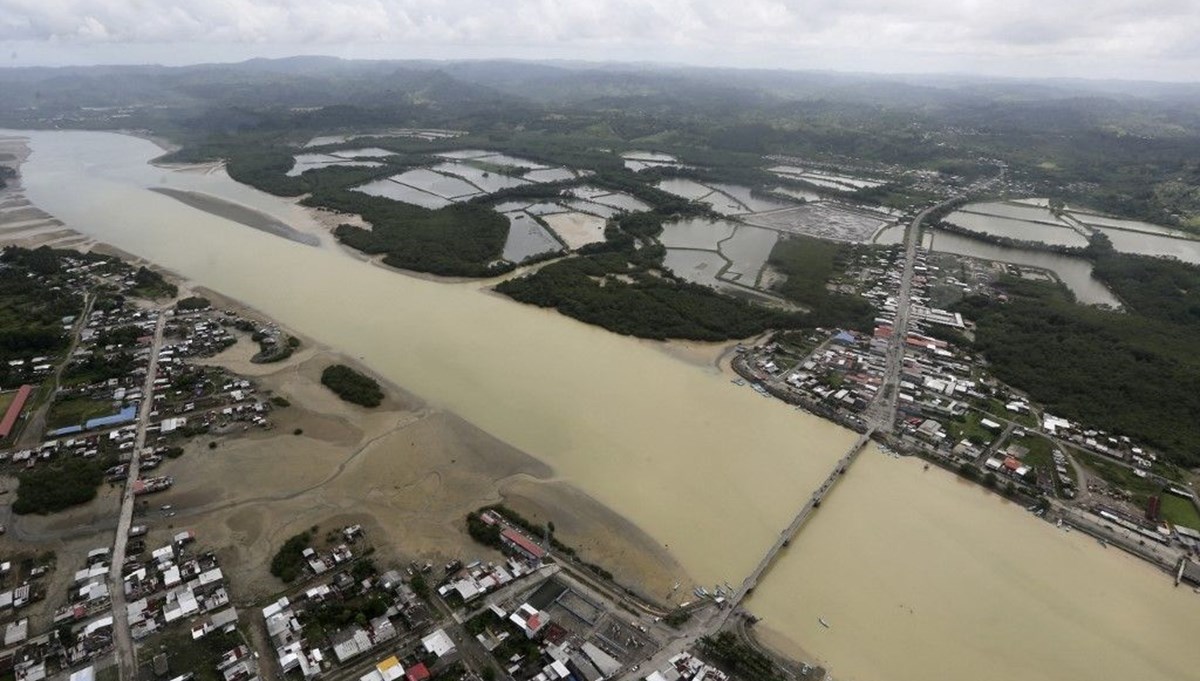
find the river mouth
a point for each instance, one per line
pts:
(708, 469)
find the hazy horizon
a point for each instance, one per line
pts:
(1100, 40)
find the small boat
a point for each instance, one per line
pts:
(1102, 542)
(823, 622)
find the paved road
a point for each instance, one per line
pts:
(122, 640)
(884, 409)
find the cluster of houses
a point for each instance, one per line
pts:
(687, 667)
(478, 579)
(285, 622)
(559, 655)
(338, 584)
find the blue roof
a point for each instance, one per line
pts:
(844, 337)
(64, 431)
(126, 415)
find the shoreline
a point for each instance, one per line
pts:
(599, 534)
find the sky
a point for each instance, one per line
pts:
(1129, 39)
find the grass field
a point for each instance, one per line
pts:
(76, 411)
(185, 655)
(1041, 457)
(6, 398)
(1179, 511)
(1141, 488)
(971, 429)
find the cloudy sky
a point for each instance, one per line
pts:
(1149, 39)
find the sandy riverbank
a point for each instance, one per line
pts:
(407, 473)
(239, 214)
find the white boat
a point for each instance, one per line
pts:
(823, 622)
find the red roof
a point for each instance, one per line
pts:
(418, 673)
(1011, 464)
(14, 410)
(523, 542)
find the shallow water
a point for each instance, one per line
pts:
(710, 469)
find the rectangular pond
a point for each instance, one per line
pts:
(527, 238)
(696, 233)
(398, 192)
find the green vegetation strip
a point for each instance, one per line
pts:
(1134, 373)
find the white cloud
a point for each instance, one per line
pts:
(1106, 37)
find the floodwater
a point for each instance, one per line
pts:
(1016, 220)
(684, 188)
(623, 202)
(303, 162)
(1076, 273)
(924, 577)
(445, 186)
(526, 238)
(399, 192)
(745, 196)
(1019, 229)
(696, 233)
(696, 266)
(1187, 250)
(710, 469)
(483, 180)
(1016, 211)
(748, 250)
(549, 175)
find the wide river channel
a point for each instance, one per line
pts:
(919, 575)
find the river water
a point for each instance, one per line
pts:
(710, 469)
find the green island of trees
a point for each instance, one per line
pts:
(625, 289)
(52, 487)
(463, 239)
(193, 303)
(352, 386)
(150, 284)
(288, 562)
